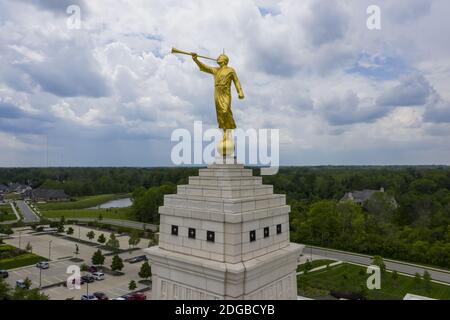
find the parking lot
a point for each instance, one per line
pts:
(61, 252)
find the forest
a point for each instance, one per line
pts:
(416, 228)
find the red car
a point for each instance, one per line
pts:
(100, 296)
(136, 296)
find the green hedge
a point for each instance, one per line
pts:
(20, 261)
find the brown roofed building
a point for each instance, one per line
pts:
(39, 195)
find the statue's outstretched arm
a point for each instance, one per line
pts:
(203, 67)
(237, 84)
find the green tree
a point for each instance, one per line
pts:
(417, 279)
(84, 267)
(113, 243)
(5, 290)
(101, 238)
(98, 258)
(395, 278)
(145, 204)
(60, 228)
(117, 263)
(134, 239)
(70, 231)
(427, 280)
(90, 235)
(27, 283)
(132, 285)
(378, 261)
(146, 271)
(25, 294)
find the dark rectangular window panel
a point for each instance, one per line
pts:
(266, 232)
(174, 230)
(191, 233)
(278, 228)
(252, 235)
(210, 236)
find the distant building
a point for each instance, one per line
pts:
(38, 195)
(3, 189)
(17, 188)
(362, 196)
(410, 296)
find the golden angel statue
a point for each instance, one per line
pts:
(223, 77)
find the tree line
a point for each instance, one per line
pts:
(417, 228)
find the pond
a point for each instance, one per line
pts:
(118, 203)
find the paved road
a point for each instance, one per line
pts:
(367, 260)
(28, 214)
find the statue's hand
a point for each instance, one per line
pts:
(194, 55)
(241, 96)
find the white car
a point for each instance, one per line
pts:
(98, 275)
(43, 265)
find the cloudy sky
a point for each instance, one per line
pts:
(110, 93)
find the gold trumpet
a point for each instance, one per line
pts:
(175, 50)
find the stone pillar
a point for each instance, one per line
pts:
(225, 235)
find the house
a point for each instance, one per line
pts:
(3, 189)
(362, 196)
(39, 195)
(18, 188)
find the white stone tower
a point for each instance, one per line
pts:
(225, 235)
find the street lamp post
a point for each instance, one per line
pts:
(40, 278)
(20, 237)
(50, 250)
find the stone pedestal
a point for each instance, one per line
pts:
(225, 235)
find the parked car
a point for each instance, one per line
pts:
(138, 259)
(4, 274)
(136, 296)
(74, 281)
(87, 278)
(21, 284)
(88, 297)
(101, 296)
(43, 265)
(92, 269)
(119, 298)
(98, 275)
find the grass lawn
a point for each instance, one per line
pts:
(13, 196)
(315, 264)
(6, 213)
(80, 203)
(12, 257)
(352, 278)
(118, 213)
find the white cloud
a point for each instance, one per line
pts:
(311, 68)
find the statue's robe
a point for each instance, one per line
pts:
(222, 93)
